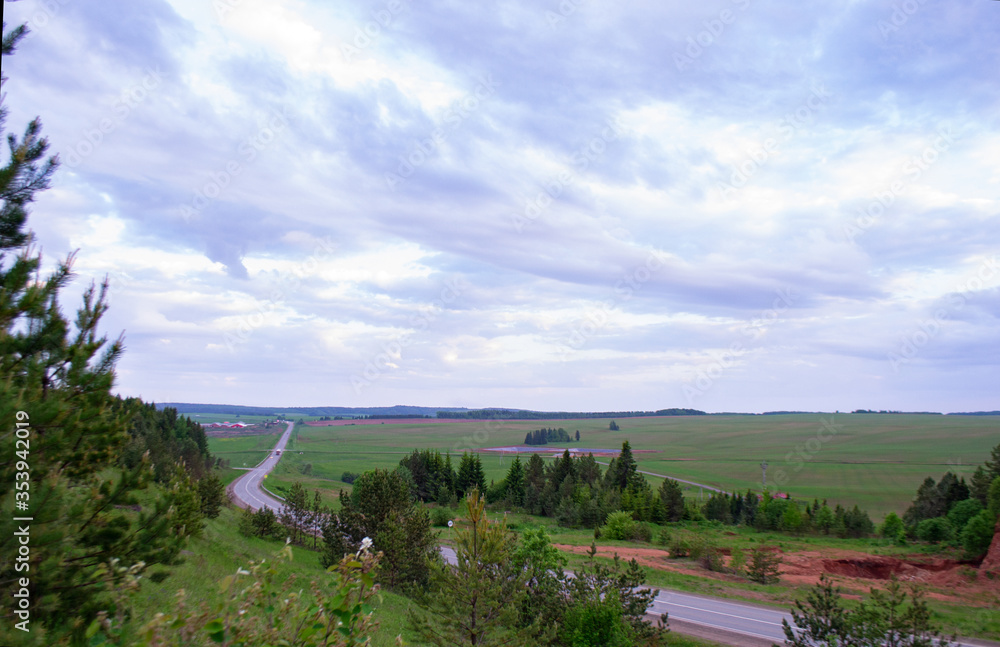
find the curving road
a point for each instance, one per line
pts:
(247, 488)
(725, 621)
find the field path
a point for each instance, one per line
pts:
(662, 476)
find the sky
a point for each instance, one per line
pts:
(726, 205)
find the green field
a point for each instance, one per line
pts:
(876, 461)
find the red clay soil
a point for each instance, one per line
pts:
(856, 572)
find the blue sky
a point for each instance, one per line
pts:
(728, 205)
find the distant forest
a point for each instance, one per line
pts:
(519, 414)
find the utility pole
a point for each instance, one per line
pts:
(763, 469)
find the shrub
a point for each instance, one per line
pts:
(737, 561)
(348, 477)
(663, 538)
(642, 533)
(619, 525)
(711, 559)
(440, 517)
(934, 530)
(597, 623)
(962, 511)
(679, 548)
(978, 534)
(892, 528)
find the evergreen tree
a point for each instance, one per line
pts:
(294, 515)
(979, 485)
(577, 435)
(672, 499)
(515, 483)
(477, 601)
(992, 466)
(382, 508)
(55, 391)
(622, 470)
(534, 484)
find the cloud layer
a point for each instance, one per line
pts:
(728, 205)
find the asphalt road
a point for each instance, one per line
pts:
(247, 488)
(732, 618)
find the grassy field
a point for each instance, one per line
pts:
(875, 461)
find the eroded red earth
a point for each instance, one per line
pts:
(947, 580)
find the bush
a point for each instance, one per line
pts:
(978, 534)
(679, 548)
(349, 477)
(642, 533)
(711, 559)
(597, 623)
(962, 511)
(440, 517)
(737, 561)
(619, 525)
(663, 538)
(892, 528)
(934, 530)
(262, 523)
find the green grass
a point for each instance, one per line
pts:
(874, 461)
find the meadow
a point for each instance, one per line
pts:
(876, 461)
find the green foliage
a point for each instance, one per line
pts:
(993, 498)
(263, 523)
(548, 435)
(619, 525)
(962, 511)
(381, 507)
(737, 561)
(56, 377)
(440, 517)
(165, 438)
(597, 623)
(349, 477)
(255, 610)
(934, 530)
(477, 601)
(763, 566)
(613, 426)
(977, 534)
(892, 528)
(595, 582)
(891, 617)
(211, 495)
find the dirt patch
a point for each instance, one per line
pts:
(855, 572)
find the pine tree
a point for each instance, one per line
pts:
(55, 390)
(515, 483)
(477, 601)
(992, 466)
